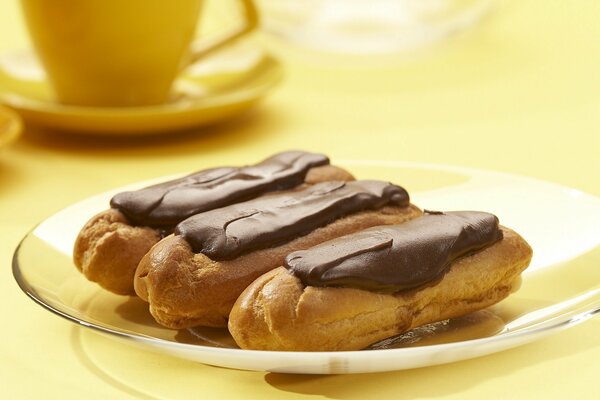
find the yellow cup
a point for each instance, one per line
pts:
(120, 52)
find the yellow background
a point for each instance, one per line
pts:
(520, 93)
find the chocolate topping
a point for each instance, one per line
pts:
(226, 232)
(396, 257)
(169, 203)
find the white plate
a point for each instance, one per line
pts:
(560, 289)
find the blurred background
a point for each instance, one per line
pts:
(517, 79)
(501, 85)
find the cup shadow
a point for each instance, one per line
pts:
(236, 132)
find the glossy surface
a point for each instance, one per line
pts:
(218, 88)
(395, 258)
(225, 233)
(559, 290)
(169, 203)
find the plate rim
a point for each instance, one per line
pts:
(239, 94)
(268, 65)
(506, 339)
(173, 117)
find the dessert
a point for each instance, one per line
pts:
(194, 276)
(110, 245)
(350, 292)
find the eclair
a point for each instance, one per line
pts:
(356, 290)
(194, 276)
(110, 245)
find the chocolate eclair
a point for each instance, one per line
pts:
(353, 291)
(110, 245)
(194, 276)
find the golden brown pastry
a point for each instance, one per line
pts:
(194, 277)
(359, 289)
(110, 245)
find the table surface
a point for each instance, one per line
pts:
(520, 93)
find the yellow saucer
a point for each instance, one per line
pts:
(213, 90)
(10, 126)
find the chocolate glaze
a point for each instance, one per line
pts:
(226, 232)
(396, 257)
(169, 203)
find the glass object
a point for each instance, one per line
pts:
(367, 26)
(560, 289)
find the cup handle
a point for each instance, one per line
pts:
(203, 47)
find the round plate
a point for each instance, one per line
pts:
(213, 90)
(559, 289)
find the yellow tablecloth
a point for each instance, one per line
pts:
(520, 93)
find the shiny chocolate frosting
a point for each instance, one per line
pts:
(396, 257)
(227, 232)
(169, 203)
